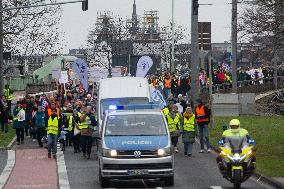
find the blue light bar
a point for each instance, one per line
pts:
(221, 142)
(135, 107)
(112, 107)
(251, 142)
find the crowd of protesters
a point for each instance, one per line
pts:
(67, 116)
(177, 83)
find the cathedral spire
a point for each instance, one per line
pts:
(134, 9)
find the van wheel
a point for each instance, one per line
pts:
(169, 181)
(104, 182)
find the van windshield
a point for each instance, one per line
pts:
(135, 125)
(105, 103)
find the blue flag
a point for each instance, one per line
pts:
(81, 69)
(157, 97)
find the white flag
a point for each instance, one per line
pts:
(143, 66)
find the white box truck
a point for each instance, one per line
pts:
(118, 91)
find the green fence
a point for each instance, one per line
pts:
(19, 83)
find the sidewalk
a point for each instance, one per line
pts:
(32, 168)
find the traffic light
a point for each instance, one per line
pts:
(85, 5)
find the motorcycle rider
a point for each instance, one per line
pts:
(237, 141)
(235, 130)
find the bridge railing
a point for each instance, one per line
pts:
(253, 85)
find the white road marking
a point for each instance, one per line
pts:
(8, 168)
(61, 170)
(215, 187)
(144, 183)
(197, 140)
(158, 187)
(32, 186)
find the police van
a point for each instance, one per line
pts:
(135, 145)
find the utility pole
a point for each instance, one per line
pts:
(210, 75)
(173, 39)
(194, 92)
(234, 45)
(1, 48)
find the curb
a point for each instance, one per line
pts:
(270, 181)
(10, 145)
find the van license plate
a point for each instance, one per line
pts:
(137, 172)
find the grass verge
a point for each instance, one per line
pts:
(6, 138)
(268, 133)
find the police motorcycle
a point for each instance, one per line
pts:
(236, 160)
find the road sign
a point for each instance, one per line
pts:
(204, 35)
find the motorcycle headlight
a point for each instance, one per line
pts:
(249, 152)
(164, 152)
(109, 153)
(223, 153)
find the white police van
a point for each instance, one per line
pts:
(135, 145)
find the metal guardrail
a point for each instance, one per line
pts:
(241, 84)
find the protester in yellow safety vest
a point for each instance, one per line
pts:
(87, 124)
(166, 111)
(53, 125)
(188, 131)
(8, 94)
(173, 120)
(68, 118)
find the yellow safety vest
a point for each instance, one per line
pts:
(52, 126)
(173, 124)
(79, 114)
(15, 118)
(166, 111)
(189, 123)
(86, 124)
(70, 126)
(7, 93)
(233, 133)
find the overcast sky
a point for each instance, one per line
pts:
(76, 23)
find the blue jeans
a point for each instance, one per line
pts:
(52, 143)
(175, 92)
(188, 148)
(183, 91)
(86, 144)
(204, 134)
(4, 127)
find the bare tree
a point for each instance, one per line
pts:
(31, 31)
(262, 24)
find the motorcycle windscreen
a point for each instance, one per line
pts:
(236, 143)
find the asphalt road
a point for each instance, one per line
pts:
(197, 172)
